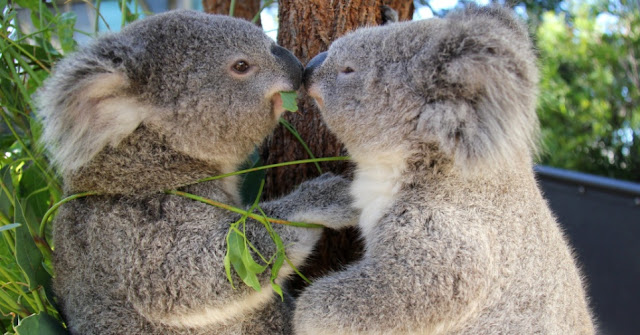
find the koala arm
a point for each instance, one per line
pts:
(417, 279)
(324, 200)
(181, 253)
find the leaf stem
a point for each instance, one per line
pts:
(302, 161)
(232, 8)
(295, 133)
(96, 24)
(256, 217)
(53, 208)
(265, 5)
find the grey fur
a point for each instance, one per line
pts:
(157, 107)
(439, 116)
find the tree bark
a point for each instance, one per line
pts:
(308, 28)
(245, 9)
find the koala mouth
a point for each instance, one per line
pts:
(277, 107)
(314, 92)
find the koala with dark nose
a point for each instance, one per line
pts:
(439, 116)
(168, 101)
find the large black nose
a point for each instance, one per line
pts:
(313, 64)
(290, 64)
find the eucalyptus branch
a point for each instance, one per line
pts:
(53, 208)
(209, 201)
(303, 161)
(256, 217)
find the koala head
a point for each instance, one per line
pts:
(464, 84)
(207, 85)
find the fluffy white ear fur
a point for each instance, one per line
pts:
(498, 129)
(93, 116)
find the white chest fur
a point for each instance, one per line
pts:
(375, 186)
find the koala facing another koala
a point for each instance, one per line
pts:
(167, 101)
(439, 116)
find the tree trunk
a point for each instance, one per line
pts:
(308, 28)
(245, 9)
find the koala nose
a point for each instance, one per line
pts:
(313, 64)
(290, 64)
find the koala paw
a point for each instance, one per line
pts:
(327, 201)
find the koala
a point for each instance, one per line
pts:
(167, 101)
(439, 117)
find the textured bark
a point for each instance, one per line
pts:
(308, 28)
(245, 9)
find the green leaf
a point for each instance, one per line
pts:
(289, 100)
(65, 24)
(251, 181)
(30, 4)
(240, 257)
(275, 268)
(235, 248)
(34, 196)
(28, 256)
(40, 324)
(7, 185)
(250, 263)
(227, 267)
(278, 289)
(9, 226)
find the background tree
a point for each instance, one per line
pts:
(246, 9)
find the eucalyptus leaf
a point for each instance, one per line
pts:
(235, 247)
(9, 226)
(28, 256)
(30, 4)
(240, 257)
(40, 324)
(227, 267)
(250, 263)
(289, 100)
(65, 26)
(251, 181)
(5, 199)
(34, 196)
(275, 269)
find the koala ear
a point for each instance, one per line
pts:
(477, 135)
(81, 117)
(389, 15)
(480, 90)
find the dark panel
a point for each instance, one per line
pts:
(601, 217)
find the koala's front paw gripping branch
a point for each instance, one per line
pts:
(238, 246)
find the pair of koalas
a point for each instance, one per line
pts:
(438, 115)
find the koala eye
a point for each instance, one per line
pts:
(241, 66)
(348, 70)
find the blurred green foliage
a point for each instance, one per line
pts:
(33, 36)
(589, 104)
(28, 186)
(590, 88)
